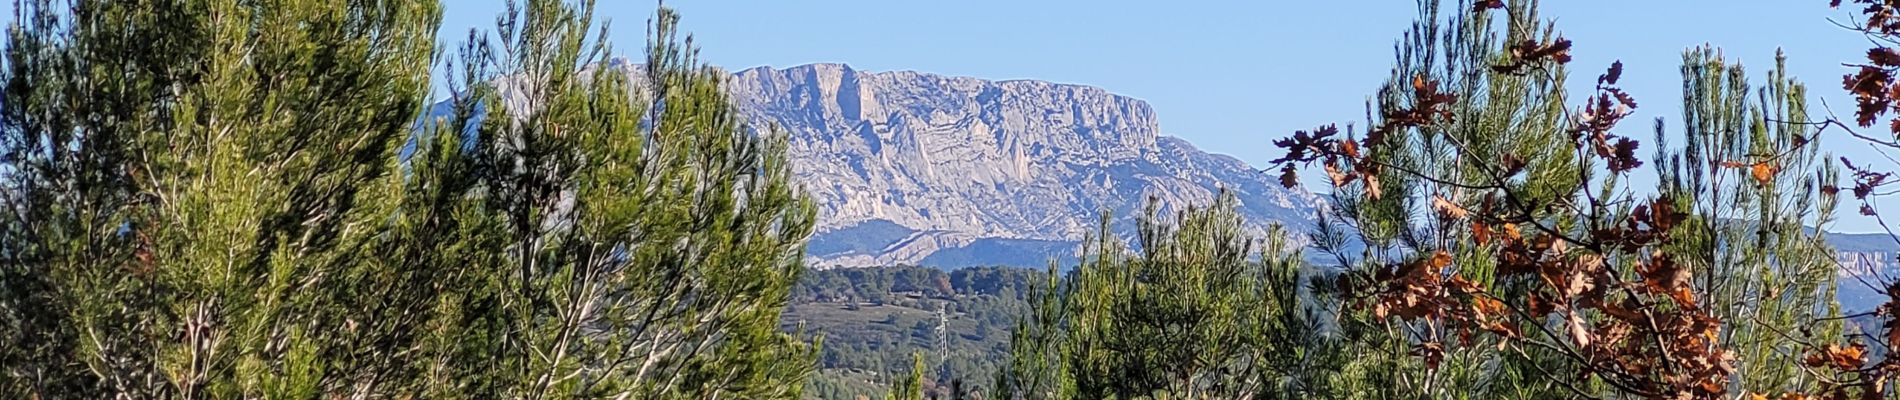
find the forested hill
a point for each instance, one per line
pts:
(874, 319)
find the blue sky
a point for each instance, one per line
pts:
(1230, 76)
(1227, 75)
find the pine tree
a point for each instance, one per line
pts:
(1196, 311)
(1753, 186)
(608, 234)
(1505, 252)
(912, 386)
(1034, 370)
(187, 181)
(224, 199)
(1452, 62)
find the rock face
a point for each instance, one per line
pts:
(1868, 262)
(949, 171)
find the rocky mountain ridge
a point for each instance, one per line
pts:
(916, 168)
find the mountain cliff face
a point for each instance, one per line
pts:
(1867, 262)
(949, 171)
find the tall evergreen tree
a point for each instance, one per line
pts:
(206, 199)
(1195, 311)
(1505, 250)
(912, 385)
(607, 234)
(186, 180)
(1754, 190)
(1452, 69)
(1034, 369)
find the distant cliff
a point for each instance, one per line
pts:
(1868, 261)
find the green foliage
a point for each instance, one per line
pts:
(1499, 117)
(1757, 231)
(1503, 246)
(1190, 314)
(912, 387)
(648, 240)
(964, 330)
(1035, 369)
(187, 184)
(205, 200)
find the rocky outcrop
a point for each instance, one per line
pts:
(1862, 277)
(1867, 263)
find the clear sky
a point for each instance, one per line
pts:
(1227, 75)
(1230, 76)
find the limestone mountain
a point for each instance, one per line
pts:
(911, 167)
